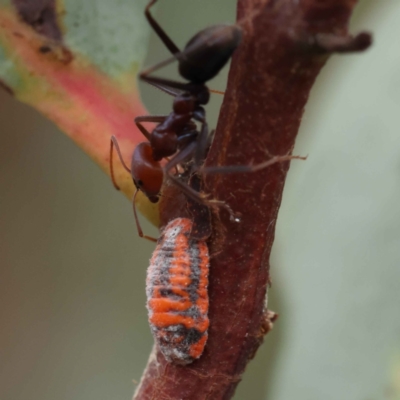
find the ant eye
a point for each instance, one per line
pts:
(139, 183)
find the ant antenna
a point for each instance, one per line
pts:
(139, 228)
(114, 142)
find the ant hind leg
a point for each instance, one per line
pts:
(231, 169)
(169, 44)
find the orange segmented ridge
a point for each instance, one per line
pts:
(196, 349)
(174, 291)
(165, 305)
(180, 281)
(202, 305)
(164, 319)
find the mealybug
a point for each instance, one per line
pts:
(177, 298)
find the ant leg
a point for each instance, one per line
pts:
(138, 226)
(166, 85)
(201, 146)
(181, 156)
(164, 88)
(148, 118)
(211, 137)
(202, 199)
(188, 136)
(174, 162)
(249, 168)
(169, 44)
(159, 65)
(114, 142)
(162, 84)
(186, 189)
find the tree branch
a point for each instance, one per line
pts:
(284, 47)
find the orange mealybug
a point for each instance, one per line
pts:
(177, 298)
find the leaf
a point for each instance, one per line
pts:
(76, 62)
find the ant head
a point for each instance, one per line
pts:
(147, 173)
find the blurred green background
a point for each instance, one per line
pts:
(72, 301)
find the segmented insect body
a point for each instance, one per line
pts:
(177, 298)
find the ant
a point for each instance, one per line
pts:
(176, 134)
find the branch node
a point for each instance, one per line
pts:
(343, 44)
(267, 323)
(325, 43)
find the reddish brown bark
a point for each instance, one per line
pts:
(285, 45)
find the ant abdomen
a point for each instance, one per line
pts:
(208, 51)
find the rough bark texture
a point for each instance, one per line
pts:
(285, 45)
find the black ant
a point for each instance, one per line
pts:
(176, 134)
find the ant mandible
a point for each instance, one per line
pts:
(176, 134)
